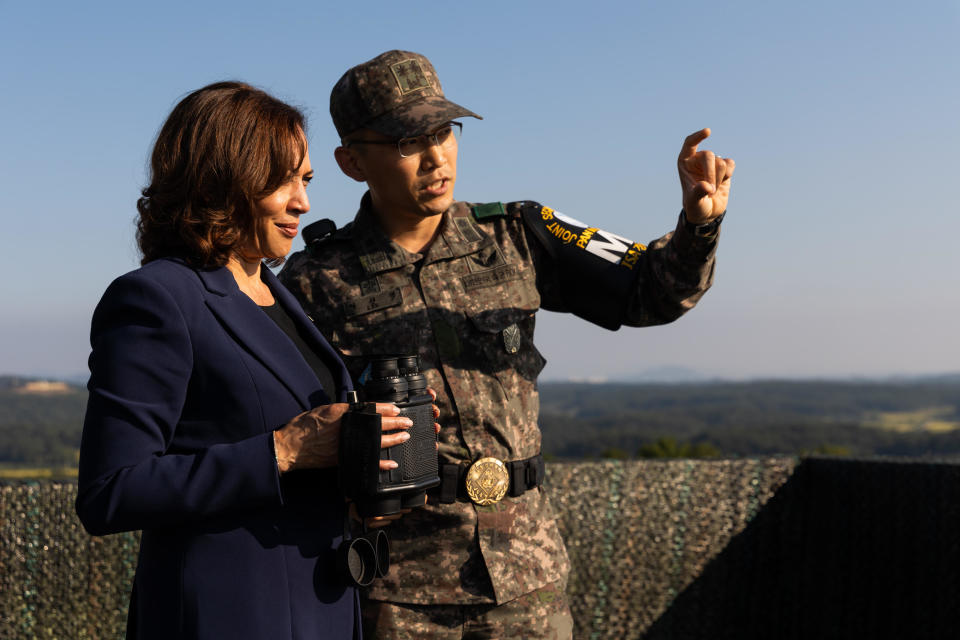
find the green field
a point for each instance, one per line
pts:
(37, 473)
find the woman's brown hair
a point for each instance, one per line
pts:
(222, 148)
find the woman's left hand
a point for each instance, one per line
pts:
(312, 439)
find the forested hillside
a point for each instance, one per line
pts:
(40, 428)
(916, 418)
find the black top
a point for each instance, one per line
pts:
(320, 368)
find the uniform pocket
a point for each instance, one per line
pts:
(504, 340)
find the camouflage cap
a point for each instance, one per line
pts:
(397, 94)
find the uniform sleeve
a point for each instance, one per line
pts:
(141, 367)
(676, 270)
(612, 281)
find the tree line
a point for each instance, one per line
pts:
(748, 419)
(625, 420)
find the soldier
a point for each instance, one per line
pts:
(459, 284)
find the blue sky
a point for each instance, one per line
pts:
(838, 254)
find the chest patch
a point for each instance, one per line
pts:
(369, 286)
(374, 261)
(373, 302)
(491, 277)
(467, 230)
(486, 258)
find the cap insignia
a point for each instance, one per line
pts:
(410, 76)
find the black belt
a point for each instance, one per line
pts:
(524, 475)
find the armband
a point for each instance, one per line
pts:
(597, 268)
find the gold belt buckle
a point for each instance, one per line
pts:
(487, 481)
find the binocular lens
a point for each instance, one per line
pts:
(382, 546)
(362, 559)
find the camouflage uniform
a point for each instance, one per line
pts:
(466, 307)
(542, 615)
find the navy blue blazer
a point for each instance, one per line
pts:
(188, 380)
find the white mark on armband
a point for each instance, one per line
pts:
(603, 244)
(608, 246)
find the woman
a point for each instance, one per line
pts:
(210, 423)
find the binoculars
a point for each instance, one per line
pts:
(397, 380)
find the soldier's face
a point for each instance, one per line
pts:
(418, 186)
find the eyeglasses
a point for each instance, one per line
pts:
(415, 145)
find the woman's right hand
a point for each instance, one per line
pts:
(312, 439)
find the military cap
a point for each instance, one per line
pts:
(397, 94)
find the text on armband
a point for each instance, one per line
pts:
(633, 255)
(565, 235)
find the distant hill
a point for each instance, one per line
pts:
(43, 388)
(8, 381)
(684, 375)
(918, 416)
(40, 421)
(657, 375)
(908, 417)
(943, 378)
(668, 375)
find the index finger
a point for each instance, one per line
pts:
(690, 143)
(387, 409)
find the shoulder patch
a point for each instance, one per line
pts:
(488, 211)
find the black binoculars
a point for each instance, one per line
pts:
(398, 380)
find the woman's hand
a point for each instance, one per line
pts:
(312, 439)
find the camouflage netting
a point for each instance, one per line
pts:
(639, 532)
(771, 548)
(55, 580)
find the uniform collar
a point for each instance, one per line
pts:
(459, 236)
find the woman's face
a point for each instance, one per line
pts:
(277, 216)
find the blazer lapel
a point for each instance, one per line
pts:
(258, 334)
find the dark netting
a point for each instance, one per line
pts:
(772, 548)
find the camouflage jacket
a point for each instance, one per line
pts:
(458, 306)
